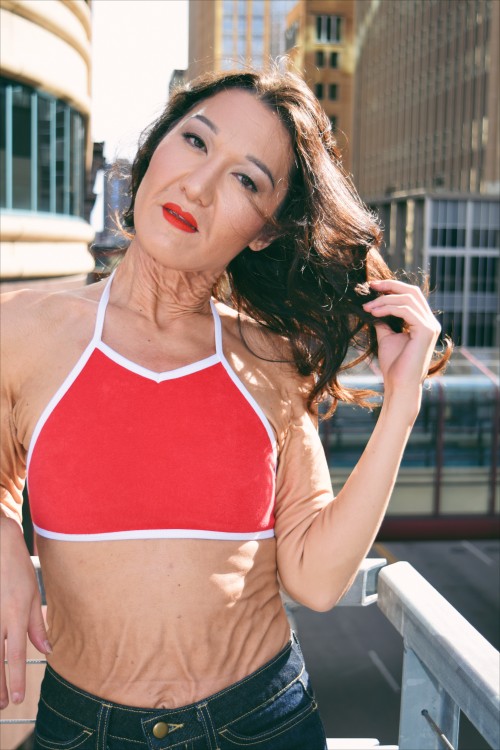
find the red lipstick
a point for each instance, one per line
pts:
(179, 218)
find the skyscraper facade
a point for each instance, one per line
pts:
(426, 149)
(426, 98)
(228, 34)
(320, 46)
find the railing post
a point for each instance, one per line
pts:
(421, 692)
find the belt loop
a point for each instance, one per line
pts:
(209, 729)
(102, 726)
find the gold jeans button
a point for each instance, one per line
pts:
(160, 730)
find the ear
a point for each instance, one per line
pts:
(263, 240)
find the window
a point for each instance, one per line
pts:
(318, 90)
(448, 223)
(319, 58)
(328, 28)
(291, 35)
(486, 225)
(333, 91)
(21, 147)
(3, 146)
(334, 121)
(42, 147)
(334, 59)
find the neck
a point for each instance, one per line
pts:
(144, 285)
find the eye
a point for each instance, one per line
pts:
(247, 183)
(195, 141)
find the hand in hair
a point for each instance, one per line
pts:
(404, 357)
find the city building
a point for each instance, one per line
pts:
(426, 96)
(113, 199)
(426, 149)
(228, 34)
(45, 147)
(320, 45)
(178, 78)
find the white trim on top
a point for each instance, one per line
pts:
(238, 383)
(158, 377)
(156, 534)
(58, 395)
(74, 372)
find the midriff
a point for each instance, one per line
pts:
(161, 623)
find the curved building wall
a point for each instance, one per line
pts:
(44, 144)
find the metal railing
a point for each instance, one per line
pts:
(448, 667)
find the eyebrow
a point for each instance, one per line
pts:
(262, 167)
(213, 127)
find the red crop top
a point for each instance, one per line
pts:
(122, 452)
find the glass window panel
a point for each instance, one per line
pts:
(44, 166)
(227, 45)
(333, 91)
(227, 24)
(338, 26)
(257, 46)
(319, 58)
(3, 143)
(257, 25)
(319, 25)
(227, 7)
(242, 25)
(75, 151)
(60, 160)
(451, 212)
(468, 418)
(318, 90)
(21, 147)
(334, 59)
(241, 48)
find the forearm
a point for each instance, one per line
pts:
(342, 533)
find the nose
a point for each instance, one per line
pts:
(198, 184)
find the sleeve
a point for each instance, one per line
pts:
(304, 490)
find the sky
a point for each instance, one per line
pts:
(136, 44)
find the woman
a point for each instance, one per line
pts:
(175, 472)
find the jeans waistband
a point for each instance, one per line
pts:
(132, 723)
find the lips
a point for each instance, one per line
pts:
(179, 218)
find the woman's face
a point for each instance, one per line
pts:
(198, 204)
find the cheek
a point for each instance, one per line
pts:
(241, 221)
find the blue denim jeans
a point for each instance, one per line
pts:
(271, 709)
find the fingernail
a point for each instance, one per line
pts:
(4, 704)
(17, 697)
(47, 647)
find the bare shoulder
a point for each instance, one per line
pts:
(268, 355)
(29, 319)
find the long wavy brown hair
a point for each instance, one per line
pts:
(310, 283)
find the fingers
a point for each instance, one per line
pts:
(36, 628)
(4, 696)
(16, 656)
(404, 301)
